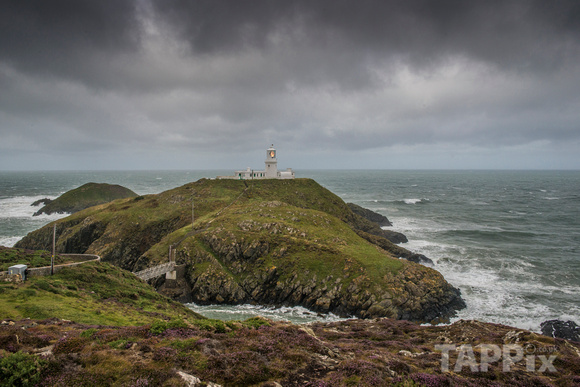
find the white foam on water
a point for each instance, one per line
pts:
(19, 206)
(296, 314)
(412, 201)
(19, 209)
(499, 290)
(415, 227)
(9, 241)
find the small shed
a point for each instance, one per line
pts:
(18, 269)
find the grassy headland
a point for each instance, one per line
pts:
(277, 242)
(91, 293)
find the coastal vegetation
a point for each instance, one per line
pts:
(31, 258)
(258, 352)
(91, 293)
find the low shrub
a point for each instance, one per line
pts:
(158, 327)
(70, 345)
(256, 322)
(21, 369)
(89, 333)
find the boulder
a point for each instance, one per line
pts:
(561, 329)
(375, 217)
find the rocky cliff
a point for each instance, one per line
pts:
(271, 242)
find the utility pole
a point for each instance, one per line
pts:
(192, 214)
(53, 249)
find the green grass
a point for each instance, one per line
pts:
(149, 218)
(315, 240)
(32, 258)
(93, 293)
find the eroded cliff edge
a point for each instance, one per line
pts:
(274, 242)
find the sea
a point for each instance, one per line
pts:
(509, 240)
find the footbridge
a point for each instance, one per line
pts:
(155, 271)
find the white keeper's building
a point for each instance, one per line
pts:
(270, 172)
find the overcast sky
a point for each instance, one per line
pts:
(169, 84)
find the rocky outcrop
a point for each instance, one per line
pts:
(44, 202)
(375, 223)
(561, 329)
(85, 196)
(395, 250)
(374, 217)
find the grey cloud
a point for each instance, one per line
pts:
(67, 38)
(522, 34)
(347, 75)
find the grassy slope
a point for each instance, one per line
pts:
(311, 242)
(92, 293)
(32, 258)
(141, 222)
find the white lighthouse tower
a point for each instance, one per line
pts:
(271, 163)
(271, 171)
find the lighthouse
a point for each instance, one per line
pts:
(270, 172)
(271, 163)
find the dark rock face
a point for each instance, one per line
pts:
(372, 224)
(44, 201)
(418, 258)
(561, 329)
(234, 271)
(375, 217)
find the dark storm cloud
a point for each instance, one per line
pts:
(353, 75)
(521, 34)
(67, 38)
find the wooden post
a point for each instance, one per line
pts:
(192, 214)
(53, 249)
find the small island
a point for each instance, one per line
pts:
(85, 196)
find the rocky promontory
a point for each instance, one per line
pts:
(271, 242)
(85, 196)
(375, 224)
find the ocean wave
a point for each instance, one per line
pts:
(296, 314)
(499, 291)
(16, 218)
(20, 206)
(9, 241)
